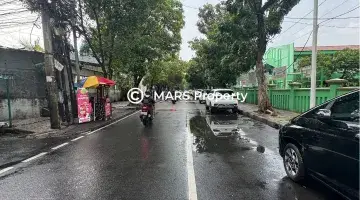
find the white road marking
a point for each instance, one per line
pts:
(113, 123)
(61, 145)
(73, 140)
(66, 143)
(34, 157)
(190, 167)
(5, 169)
(85, 133)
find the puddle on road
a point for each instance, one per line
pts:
(220, 134)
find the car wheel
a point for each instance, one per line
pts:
(293, 163)
(234, 110)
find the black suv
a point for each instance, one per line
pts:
(324, 144)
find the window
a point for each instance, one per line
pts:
(346, 108)
(312, 114)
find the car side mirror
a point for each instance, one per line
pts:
(324, 114)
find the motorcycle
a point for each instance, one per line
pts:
(145, 115)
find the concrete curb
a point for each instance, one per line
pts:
(260, 119)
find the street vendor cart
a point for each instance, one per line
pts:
(97, 107)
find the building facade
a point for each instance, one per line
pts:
(282, 64)
(27, 89)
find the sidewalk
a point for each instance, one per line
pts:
(16, 147)
(251, 110)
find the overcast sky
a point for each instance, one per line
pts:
(337, 35)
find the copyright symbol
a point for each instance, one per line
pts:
(133, 95)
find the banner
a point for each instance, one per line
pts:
(279, 72)
(84, 106)
(107, 108)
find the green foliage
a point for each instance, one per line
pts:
(237, 33)
(347, 62)
(124, 35)
(343, 64)
(195, 75)
(167, 73)
(135, 33)
(217, 56)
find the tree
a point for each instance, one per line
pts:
(123, 34)
(105, 25)
(168, 73)
(157, 38)
(346, 62)
(195, 75)
(222, 55)
(257, 23)
(323, 71)
(343, 64)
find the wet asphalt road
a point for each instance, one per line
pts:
(130, 161)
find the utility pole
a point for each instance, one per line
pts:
(52, 93)
(314, 57)
(77, 67)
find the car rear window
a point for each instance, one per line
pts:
(225, 92)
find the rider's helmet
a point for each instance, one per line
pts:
(147, 94)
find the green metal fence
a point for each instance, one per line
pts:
(296, 99)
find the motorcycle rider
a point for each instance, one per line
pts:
(173, 96)
(148, 100)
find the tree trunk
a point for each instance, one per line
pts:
(263, 98)
(137, 80)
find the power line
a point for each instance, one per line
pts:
(7, 10)
(8, 2)
(337, 17)
(14, 12)
(328, 19)
(355, 17)
(324, 25)
(298, 21)
(302, 49)
(33, 28)
(334, 8)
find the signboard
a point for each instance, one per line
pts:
(107, 108)
(58, 65)
(279, 72)
(84, 106)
